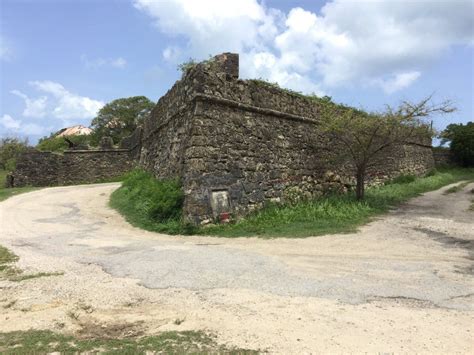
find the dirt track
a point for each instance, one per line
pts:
(404, 283)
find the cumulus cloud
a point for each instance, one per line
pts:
(383, 43)
(118, 63)
(398, 82)
(212, 25)
(15, 126)
(9, 122)
(35, 108)
(68, 105)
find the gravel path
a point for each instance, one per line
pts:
(403, 283)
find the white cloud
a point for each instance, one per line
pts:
(15, 126)
(35, 108)
(347, 43)
(213, 25)
(6, 51)
(33, 129)
(68, 105)
(118, 63)
(398, 82)
(9, 122)
(172, 54)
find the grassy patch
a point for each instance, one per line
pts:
(10, 272)
(331, 214)
(44, 341)
(7, 258)
(150, 204)
(457, 188)
(6, 193)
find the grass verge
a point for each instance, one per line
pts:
(44, 341)
(6, 193)
(330, 214)
(150, 204)
(11, 273)
(456, 188)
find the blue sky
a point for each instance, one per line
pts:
(61, 60)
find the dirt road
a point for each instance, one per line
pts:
(404, 283)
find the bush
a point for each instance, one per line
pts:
(151, 203)
(10, 150)
(59, 144)
(461, 138)
(402, 179)
(432, 172)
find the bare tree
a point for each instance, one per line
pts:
(365, 136)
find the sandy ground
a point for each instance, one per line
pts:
(402, 284)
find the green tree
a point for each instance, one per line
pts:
(120, 118)
(10, 150)
(461, 138)
(364, 137)
(59, 144)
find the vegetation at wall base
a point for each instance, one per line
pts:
(171, 342)
(151, 204)
(327, 215)
(336, 213)
(6, 193)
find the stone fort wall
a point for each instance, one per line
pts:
(237, 143)
(36, 168)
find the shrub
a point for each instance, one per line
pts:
(160, 200)
(432, 172)
(403, 179)
(461, 138)
(59, 144)
(150, 203)
(10, 149)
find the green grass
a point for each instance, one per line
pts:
(456, 188)
(150, 204)
(335, 214)
(6, 193)
(330, 214)
(45, 341)
(10, 272)
(7, 258)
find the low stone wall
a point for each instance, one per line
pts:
(443, 157)
(35, 168)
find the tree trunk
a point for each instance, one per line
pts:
(360, 188)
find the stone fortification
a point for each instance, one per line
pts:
(238, 143)
(35, 168)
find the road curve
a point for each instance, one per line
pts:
(420, 255)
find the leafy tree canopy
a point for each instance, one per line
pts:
(461, 138)
(120, 118)
(365, 136)
(10, 149)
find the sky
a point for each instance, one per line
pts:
(62, 60)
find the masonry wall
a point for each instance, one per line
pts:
(166, 132)
(237, 143)
(35, 168)
(443, 157)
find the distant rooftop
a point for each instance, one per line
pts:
(78, 130)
